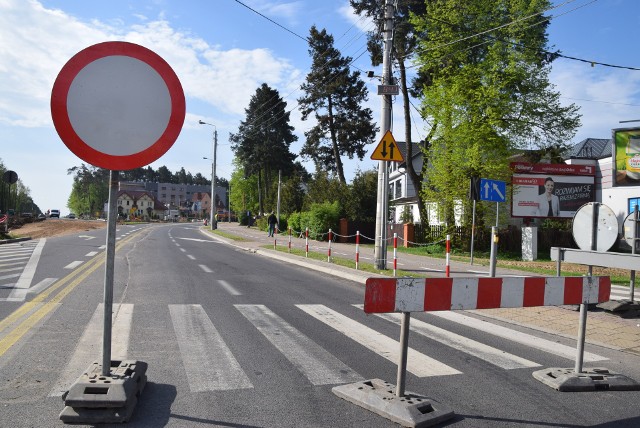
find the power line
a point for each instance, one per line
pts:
(272, 21)
(353, 39)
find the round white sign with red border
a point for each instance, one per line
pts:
(118, 105)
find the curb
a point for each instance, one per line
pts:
(345, 273)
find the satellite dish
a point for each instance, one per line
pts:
(627, 230)
(595, 227)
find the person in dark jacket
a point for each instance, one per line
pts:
(273, 221)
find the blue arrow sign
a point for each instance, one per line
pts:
(493, 190)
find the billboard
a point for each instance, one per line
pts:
(550, 190)
(626, 157)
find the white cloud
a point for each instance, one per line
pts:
(605, 96)
(37, 42)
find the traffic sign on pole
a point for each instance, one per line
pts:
(493, 190)
(118, 105)
(387, 149)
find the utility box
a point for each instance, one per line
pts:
(529, 244)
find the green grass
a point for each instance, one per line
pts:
(341, 261)
(367, 267)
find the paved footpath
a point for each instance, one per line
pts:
(603, 328)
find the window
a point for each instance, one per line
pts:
(398, 189)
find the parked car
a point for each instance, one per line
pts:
(54, 213)
(71, 215)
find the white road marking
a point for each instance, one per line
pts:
(191, 257)
(479, 350)
(417, 363)
(230, 289)
(316, 363)
(91, 254)
(196, 239)
(19, 294)
(30, 269)
(516, 336)
(89, 348)
(208, 362)
(73, 265)
(205, 268)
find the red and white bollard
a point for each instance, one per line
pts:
(306, 242)
(289, 239)
(357, 248)
(275, 238)
(395, 253)
(447, 269)
(329, 253)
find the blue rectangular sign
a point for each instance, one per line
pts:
(493, 190)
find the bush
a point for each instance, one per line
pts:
(319, 220)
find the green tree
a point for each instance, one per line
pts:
(333, 96)
(164, 175)
(485, 85)
(363, 192)
(324, 188)
(263, 139)
(90, 189)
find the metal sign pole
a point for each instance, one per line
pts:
(632, 283)
(108, 272)
(473, 228)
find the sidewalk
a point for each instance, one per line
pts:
(603, 328)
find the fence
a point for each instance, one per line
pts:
(510, 237)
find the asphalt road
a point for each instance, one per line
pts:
(234, 339)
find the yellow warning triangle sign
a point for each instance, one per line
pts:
(387, 149)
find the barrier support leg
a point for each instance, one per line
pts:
(582, 327)
(404, 349)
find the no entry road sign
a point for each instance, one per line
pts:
(118, 105)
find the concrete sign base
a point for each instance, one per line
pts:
(410, 410)
(594, 379)
(95, 398)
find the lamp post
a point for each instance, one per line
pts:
(213, 172)
(229, 201)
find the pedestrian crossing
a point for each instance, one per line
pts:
(13, 260)
(210, 364)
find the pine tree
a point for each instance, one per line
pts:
(263, 139)
(333, 95)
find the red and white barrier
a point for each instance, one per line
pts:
(447, 269)
(357, 248)
(395, 253)
(384, 295)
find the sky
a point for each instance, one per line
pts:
(223, 50)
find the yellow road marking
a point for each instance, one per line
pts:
(82, 272)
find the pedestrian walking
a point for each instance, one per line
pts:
(273, 221)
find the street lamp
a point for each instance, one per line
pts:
(213, 172)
